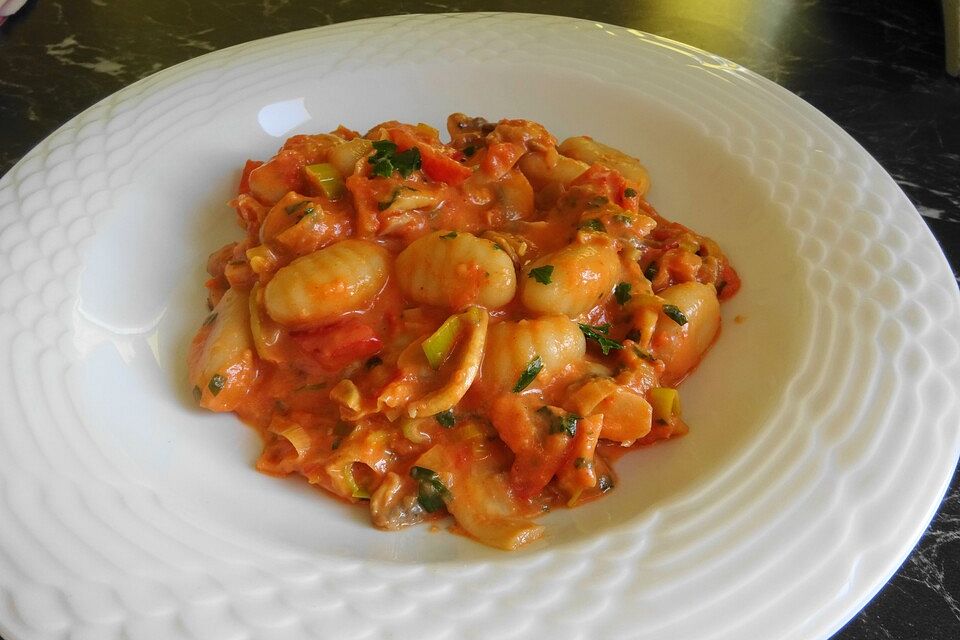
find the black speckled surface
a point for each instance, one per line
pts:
(875, 68)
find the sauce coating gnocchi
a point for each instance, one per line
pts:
(473, 328)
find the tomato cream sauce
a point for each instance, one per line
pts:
(474, 328)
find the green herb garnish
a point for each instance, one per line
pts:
(445, 418)
(629, 193)
(528, 374)
(542, 274)
(599, 333)
(449, 236)
(431, 492)
(593, 224)
(623, 219)
(386, 160)
(216, 384)
(622, 292)
(651, 271)
(673, 312)
(562, 423)
(469, 150)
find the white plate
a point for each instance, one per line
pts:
(824, 426)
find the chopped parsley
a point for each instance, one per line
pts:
(217, 382)
(446, 418)
(542, 274)
(449, 236)
(629, 193)
(593, 224)
(562, 423)
(651, 271)
(622, 292)
(386, 160)
(599, 333)
(431, 492)
(623, 219)
(673, 312)
(528, 374)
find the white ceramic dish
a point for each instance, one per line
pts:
(824, 426)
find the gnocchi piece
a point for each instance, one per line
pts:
(320, 287)
(570, 281)
(512, 346)
(222, 364)
(456, 270)
(590, 151)
(681, 346)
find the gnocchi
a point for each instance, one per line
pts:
(322, 286)
(456, 269)
(570, 281)
(469, 328)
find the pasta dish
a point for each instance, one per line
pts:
(475, 328)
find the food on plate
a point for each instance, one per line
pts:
(474, 328)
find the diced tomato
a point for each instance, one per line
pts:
(437, 166)
(500, 158)
(245, 176)
(337, 345)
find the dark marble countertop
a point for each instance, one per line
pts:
(876, 68)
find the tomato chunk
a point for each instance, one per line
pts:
(337, 345)
(437, 166)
